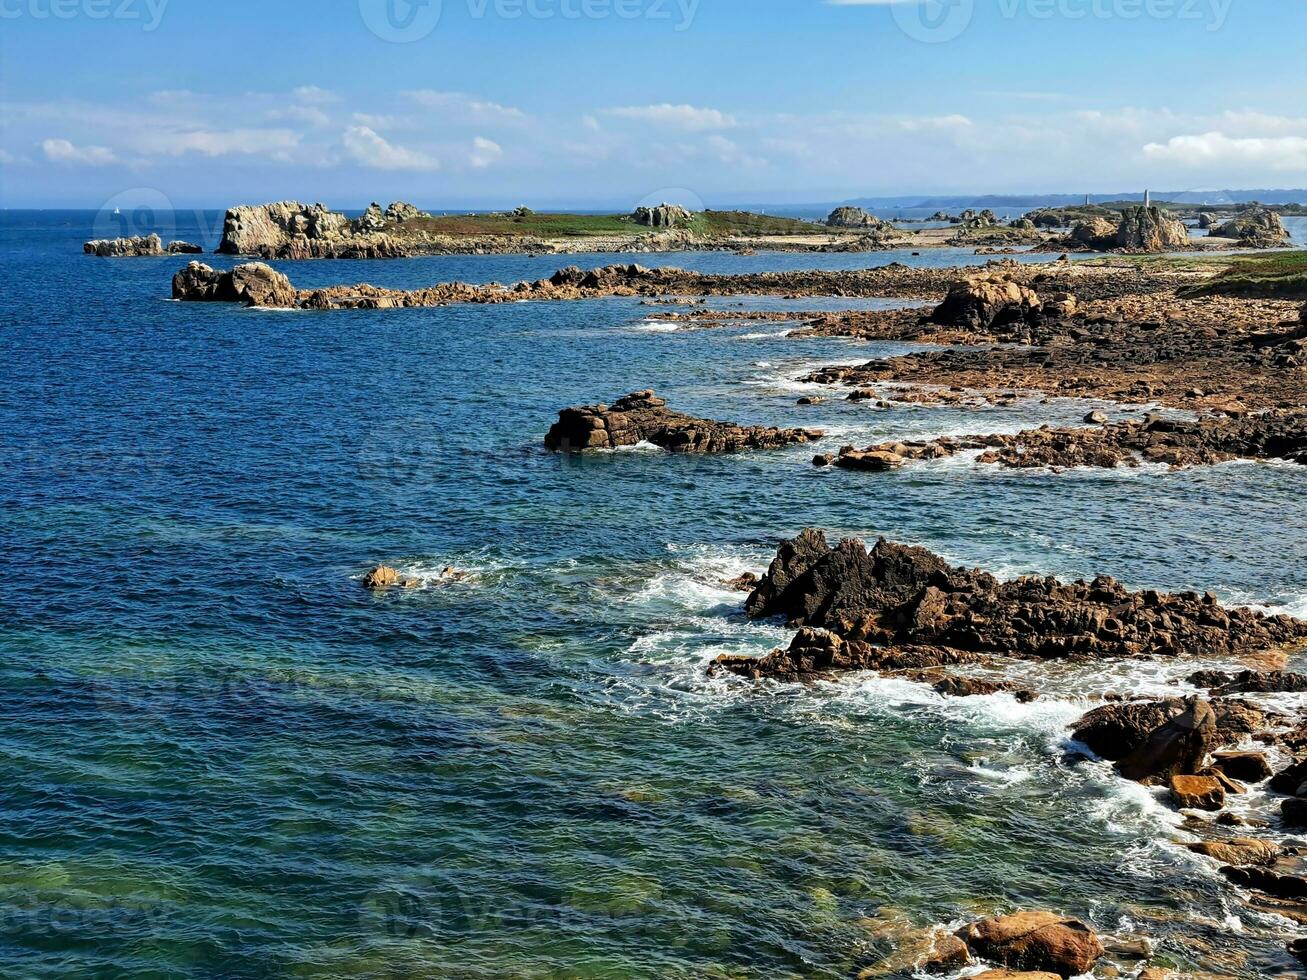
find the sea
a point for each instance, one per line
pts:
(224, 757)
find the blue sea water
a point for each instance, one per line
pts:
(224, 758)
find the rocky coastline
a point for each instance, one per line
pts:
(904, 612)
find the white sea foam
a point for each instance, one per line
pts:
(657, 326)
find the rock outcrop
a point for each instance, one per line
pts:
(1178, 747)
(125, 247)
(1038, 941)
(661, 216)
(644, 417)
(901, 595)
(254, 284)
(1255, 228)
(1146, 229)
(291, 230)
(1096, 233)
(851, 217)
(1143, 733)
(987, 301)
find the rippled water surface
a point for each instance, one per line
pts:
(225, 758)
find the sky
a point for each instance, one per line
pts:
(609, 103)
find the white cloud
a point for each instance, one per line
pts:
(465, 106)
(484, 152)
(373, 150)
(312, 95)
(215, 143)
(1215, 148)
(307, 114)
(62, 151)
(679, 116)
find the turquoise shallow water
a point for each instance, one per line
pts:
(222, 757)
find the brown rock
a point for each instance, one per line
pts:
(1238, 852)
(986, 301)
(1197, 792)
(1035, 941)
(381, 577)
(744, 583)
(1016, 975)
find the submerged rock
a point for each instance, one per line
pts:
(1035, 941)
(644, 417)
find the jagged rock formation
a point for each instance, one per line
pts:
(903, 596)
(971, 220)
(851, 217)
(291, 230)
(401, 211)
(1256, 228)
(644, 417)
(661, 216)
(1206, 220)
(254, 284)
(1146, 229)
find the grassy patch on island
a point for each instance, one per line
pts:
(511, 225)
(1274, 275)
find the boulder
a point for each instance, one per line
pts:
(1249, 681)
(124, 247)
(875, 461)
(644, 417)
(1176, 748)
(1290, 780)
(1148, 229)
(1096, 418)
(1095, 232)
(1197, 792)
(1206, 220)
(1293, 812)
(1038, 941)
(1015, 975)
(661, 216)
(401, 211)
(184, 248)
(986, 301)
(743, 583)
(381, 577)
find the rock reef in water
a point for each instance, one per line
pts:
(644, 417)
(139, 245)
(1175, 442)
(254, 284)
(900, 596)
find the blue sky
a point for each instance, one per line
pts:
(608, 102)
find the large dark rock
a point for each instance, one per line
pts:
(1119, 731)
(644, 417)
(1249, 681)
(1177, 748)
(902, 595)
(816, 654)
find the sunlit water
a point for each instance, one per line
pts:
(225, 758)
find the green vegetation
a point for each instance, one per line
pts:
(525, 223)
(518, 225)
(747, 223)
(1275, 275)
